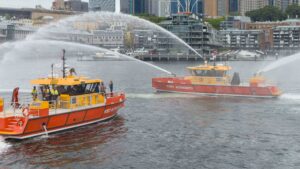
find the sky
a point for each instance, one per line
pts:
(27, 3)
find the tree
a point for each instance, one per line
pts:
(129, 40)
(215, 23)
(293, 11)
(7, 16)
(267, 13)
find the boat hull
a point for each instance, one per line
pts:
(180, 85)
(68, 120)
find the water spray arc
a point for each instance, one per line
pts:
(280, 62)
(10, 50)
(65, 25)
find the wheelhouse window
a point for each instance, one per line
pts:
(208, 73)
(79, 89)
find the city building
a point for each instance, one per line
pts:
(13, 32)
(211, 8)
(76, 5)
(103, 5)
(234, 6)
(144, 39)
(249, 5)
(164, 8)
(235, 22)
(108, 38)
(58, 5)
(243, 39)
(286, 37)
(189, 28)
(70, 5)
(124, 6)
(283, 4)
(216, 8)
(2, 38)
(193, 6)
(34, 14)
(223, 7)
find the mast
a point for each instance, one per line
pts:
(64, 63)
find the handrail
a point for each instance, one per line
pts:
(25, 101)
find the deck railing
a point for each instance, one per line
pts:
(21, 108)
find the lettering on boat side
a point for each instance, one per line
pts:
(112, 109)
(180, 87)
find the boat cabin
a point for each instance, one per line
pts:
(68, 92)
(209, 74)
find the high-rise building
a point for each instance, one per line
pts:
(103, 5)
(76, 5)
(214, 8)
(193, 6)
(223, 7)
(233, 6)
(283, 4)
(70, 5)
(58, 5)
(139, 6)
(211, 8)
(124, 6)
(272, 2)
(249, 5)
(164, 8)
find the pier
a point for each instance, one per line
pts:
(168, 57)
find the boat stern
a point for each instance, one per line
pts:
(12, 126)
(275, 91)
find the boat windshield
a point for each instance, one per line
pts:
(208, 73)
(79, 89)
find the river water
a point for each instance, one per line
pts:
(161, 130)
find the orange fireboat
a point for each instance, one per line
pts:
(214, 80)
(78, 102)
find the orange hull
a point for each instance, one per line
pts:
(21, 127)
(185, 86)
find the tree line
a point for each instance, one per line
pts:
(272, 13)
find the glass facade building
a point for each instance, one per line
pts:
(102, 5)
(233, 6)
(194, 6)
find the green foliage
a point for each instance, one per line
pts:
(215, 23)
(151, 18)
(293, 11)
(267, 13)
(7, 16)
(129, 40)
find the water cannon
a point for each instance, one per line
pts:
(173, 74)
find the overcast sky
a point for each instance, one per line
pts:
(27, 3)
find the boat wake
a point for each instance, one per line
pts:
(290, 96)
(3, 146)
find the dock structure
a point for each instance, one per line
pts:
(169, 57)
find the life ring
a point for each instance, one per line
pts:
(25, 111)
(20, 123)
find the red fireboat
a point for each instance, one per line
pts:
(214, 80)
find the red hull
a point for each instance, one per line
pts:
(185, 86)
(63, 121)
